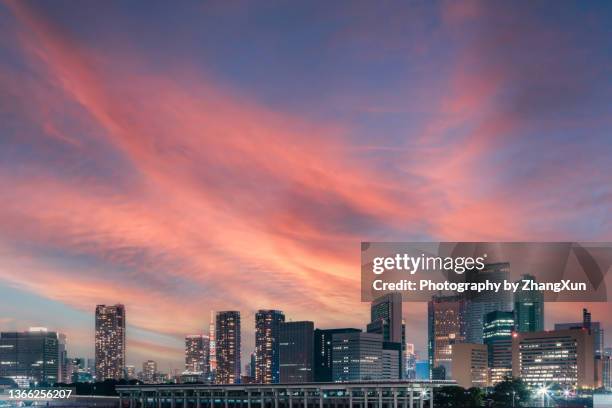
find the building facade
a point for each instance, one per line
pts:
(497, 336)
(529, 309)
(323, 352)
(110, 342)
(594, 327)
(30, 357)
(357, 357)
(227, 331)
(296, 350)
(197, 357)
(563, 357)
(446, 327)
(470, 365)
(267, 363)
(479, 305)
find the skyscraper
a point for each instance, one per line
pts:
(357, 357)
(197, 348)
(498, 339)
(323, 352)
(446, 327)
(110, 342)
(485, 302)
(267, 323)
(386, 320)
(528, 309)
(227, 331)
(296, 349)
(30, 357)
(386, 317)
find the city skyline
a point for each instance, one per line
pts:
(209, 157)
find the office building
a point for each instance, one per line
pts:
(149, 372)
(227, 331)
(357, 356)
(528, 308)
(446, 327)
(197, 349)
(267, 323)
(323, 352)
(386, 320)
(594, 327)
(110, 342)
(497, 336)
(469, 365)
(391, 357)
(559, 357)
(296, 350)
(30, 357)
(477, 306)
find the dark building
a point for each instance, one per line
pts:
(296, 347)
(323, 352)
(446, 327)
(485, 302)
(528, 309)
(497, 336)
(227, 332)
(110, 342)
(30, 357)
(267, 323)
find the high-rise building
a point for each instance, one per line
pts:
(296, 350)
(110, 342)
(446, 327)
(357, 357)
(30, 357)
(212, 345)
(197, 347)
(528, 308)
(267, 323)
(479, 305)
(469, 365)
(227, 331)
(497, 337)
(386, 317)
(558, 357)
(323, 352)
(386, 320)
(594, 327)
(149, 372)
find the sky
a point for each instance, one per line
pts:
(194, 156)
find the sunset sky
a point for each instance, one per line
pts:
(182, 157)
